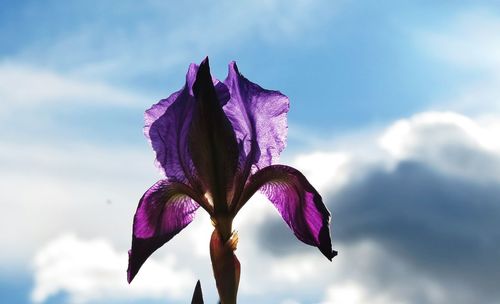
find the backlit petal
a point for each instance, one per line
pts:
(298, 202)
(258, 117)
(212, 142)
(167, 125)
(163, 211)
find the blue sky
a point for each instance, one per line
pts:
(394, 117)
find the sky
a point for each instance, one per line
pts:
(394, 118)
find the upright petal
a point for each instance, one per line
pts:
(298, 202)
(212, 142)
(167, 125)
(258, 117)
(163, 211)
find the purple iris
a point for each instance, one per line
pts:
(216, 142)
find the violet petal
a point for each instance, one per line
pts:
(163, 211)
(258, 117)
(212, 142)
(300, 205)
(167, 125)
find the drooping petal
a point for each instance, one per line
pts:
(258, 117)
(212, 142)
(163, 211)
(226, 267)
(167, 125)
(298, 202)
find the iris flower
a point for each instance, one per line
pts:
(216, 143)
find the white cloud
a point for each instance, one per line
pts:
(457, 147)
(450, 142)
(469, 44)
(175, 34)
(326, 171)
(454, 143)
(469, 40)
(93, 191)
(375, 264)
(268, 19)
(61, 189)
(47, 190)
(23, 86)
(92, 269)
(352, 293)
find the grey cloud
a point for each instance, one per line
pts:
(444, 227)
(278, 239)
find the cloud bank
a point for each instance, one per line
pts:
(431, 204)
(86, 270)
(414, 220)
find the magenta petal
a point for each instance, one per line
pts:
(258, 117)
(298, 202)
(163, 211)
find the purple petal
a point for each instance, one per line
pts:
(298, 202)
(167, 125)
(163, 211)
(258, 117)
(212, 142)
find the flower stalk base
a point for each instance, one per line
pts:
(226, 267)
